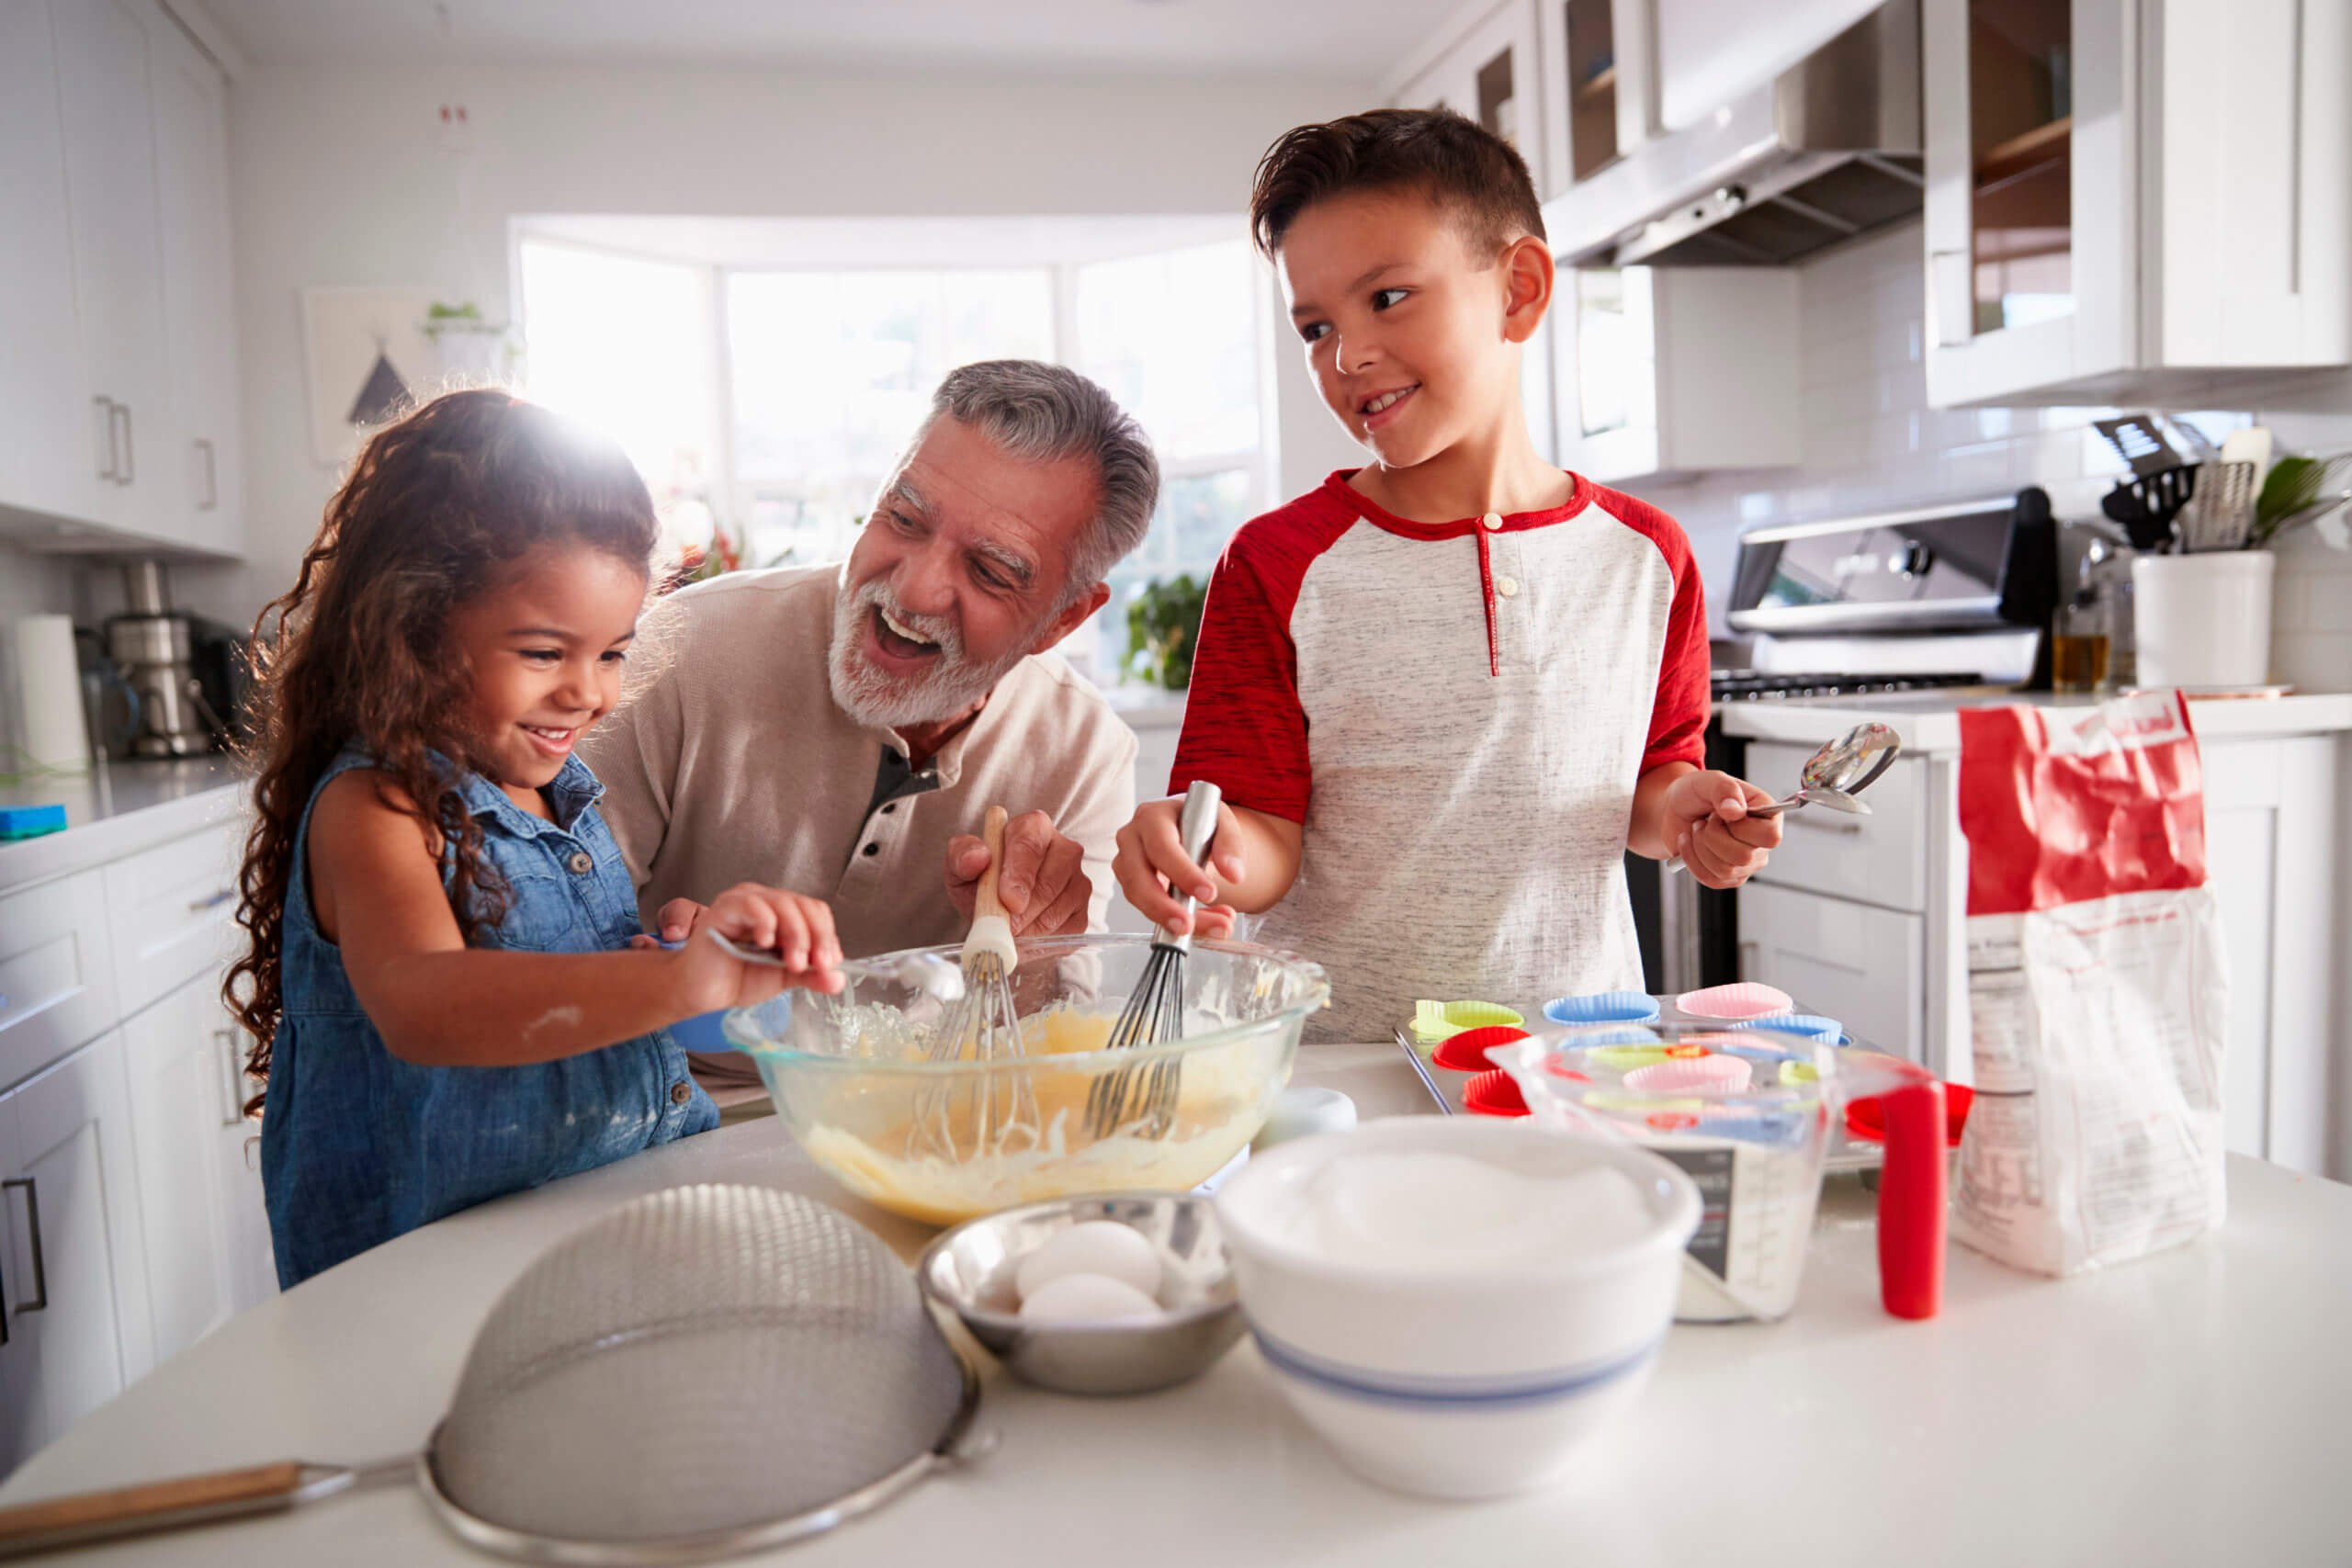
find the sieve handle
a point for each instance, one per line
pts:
(991, 933)
(163, 1505)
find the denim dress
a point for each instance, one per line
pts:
(358, 1146)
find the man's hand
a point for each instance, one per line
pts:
(1043, 884)
(677, 917)
(1706, 822)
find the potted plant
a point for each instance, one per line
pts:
(1163, 623)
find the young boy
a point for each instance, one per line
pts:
(1442, 693)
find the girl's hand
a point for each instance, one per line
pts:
(677, 917)
(1707, 824)
(797, 930)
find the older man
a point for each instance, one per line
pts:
(840, 730)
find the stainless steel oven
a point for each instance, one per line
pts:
(1899, 602)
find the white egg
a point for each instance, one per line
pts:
(1086, 1298)
(1095, 1246)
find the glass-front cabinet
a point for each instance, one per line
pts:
(2124, 199)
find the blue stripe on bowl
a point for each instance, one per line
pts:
(1454, 1392)
(1602, 1007)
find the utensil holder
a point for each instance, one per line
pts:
(2202, 620)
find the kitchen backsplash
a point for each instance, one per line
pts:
(1871, 444)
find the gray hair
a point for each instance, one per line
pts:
(1042, 413)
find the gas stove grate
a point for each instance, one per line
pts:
(1756, 685)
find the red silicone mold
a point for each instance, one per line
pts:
(1493, 1093)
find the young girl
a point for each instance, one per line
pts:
(444, 987)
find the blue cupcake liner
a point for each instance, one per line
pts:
(1805, 1023)
(1602, 1007)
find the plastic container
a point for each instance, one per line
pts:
(1758, 1151)
(2203, 620)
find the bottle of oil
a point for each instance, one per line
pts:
(2078, 642)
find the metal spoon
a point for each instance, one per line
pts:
(925, 971)
(1833, 776)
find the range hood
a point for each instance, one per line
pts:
(1828, 150)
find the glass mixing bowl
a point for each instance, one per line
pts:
(944, 1141)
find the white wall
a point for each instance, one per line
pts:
(343, 177)
(1871, 444)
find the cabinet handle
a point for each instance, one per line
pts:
(210, 900)
(32, 1219)
(130, 463)
(211, 502)
(104, 405)
(232, 1110)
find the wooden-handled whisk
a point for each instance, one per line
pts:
(990, 1109)
(1155, 1012)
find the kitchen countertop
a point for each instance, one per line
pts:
(119, 808)
(2188, 1408)
(1930, 721)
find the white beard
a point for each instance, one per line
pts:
(878, 701)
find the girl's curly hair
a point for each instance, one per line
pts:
(359, 650)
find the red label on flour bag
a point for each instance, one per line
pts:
(2057, 815)
(2097, 986)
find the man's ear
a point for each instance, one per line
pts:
(1528, 276)
(1075, 611)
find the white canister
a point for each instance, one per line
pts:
(49, 681)
(2203, 620)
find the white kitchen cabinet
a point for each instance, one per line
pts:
(1856, 963)
(118, 253)
(1488, 73)
(70, 1246)
(2131, 199)
(46, 462)
(119, 397)
(1711, 51)
(2271, 847)
(1599, 80)
(197, 461)
(178, 1107)
(1666, 370)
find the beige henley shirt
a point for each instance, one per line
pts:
(736, 765)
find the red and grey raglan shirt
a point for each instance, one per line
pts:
(1457, 714)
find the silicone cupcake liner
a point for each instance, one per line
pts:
(1745, 1000)
(1466, 1052)
(1807, 1024)
(1625, 1058)
(1494, 1093)
(1709, 1074)
(1602, 1007)
(1434, 1021)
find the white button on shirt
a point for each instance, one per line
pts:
(1493, 520)
(1507, 586)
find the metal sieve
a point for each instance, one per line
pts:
(704, 1372)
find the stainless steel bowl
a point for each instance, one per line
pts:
(969, 1272)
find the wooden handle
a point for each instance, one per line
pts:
(985, 902)
(130, 1502)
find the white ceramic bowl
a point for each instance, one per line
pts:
(1464, 1380)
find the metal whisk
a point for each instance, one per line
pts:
(989, 1110)
(1155, 1011)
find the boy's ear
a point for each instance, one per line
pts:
(1529, 274)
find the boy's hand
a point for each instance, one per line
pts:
(1708, 825)
(1043, 885)
(795, 928)
(1151, 861)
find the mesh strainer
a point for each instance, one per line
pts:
(706, 1371)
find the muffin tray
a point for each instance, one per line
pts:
(1448, 1089)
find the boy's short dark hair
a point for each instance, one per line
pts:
(1462, 168)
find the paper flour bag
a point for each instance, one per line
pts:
(2097, 988)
